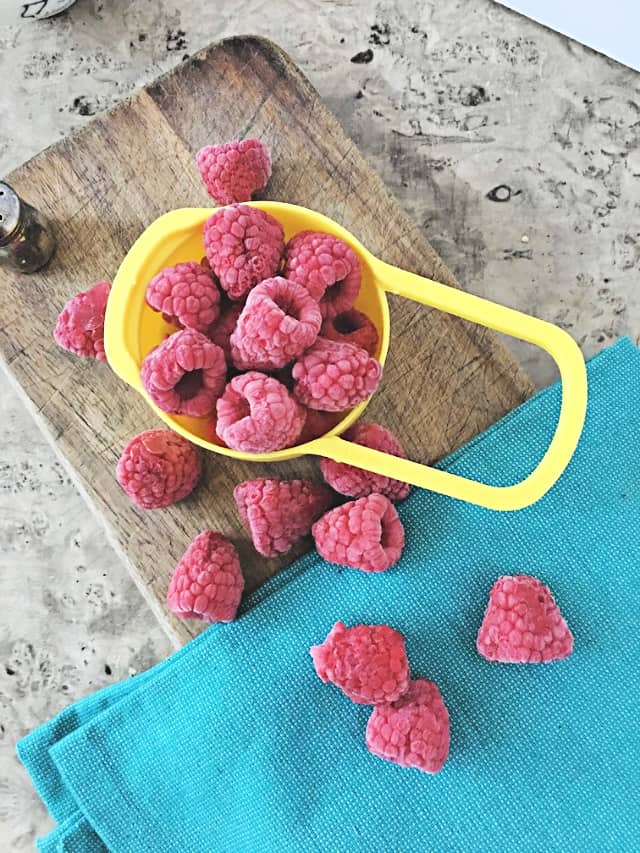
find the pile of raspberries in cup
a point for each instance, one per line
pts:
(270, 350)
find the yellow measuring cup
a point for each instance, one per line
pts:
(132, 329)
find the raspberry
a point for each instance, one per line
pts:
(367, 662)
(333, 377)
(207, 582)
(278, 323)
(523, 624)
(234, 171)
(319, 423)
(355, 482)
(413, 731)
(157, 468)
(351, 327)
(327, 267)
(279, 513)
(80, 325)
(244, 246)
(187, 295)
(185, 374)
(256, 414)
(221, 331)
(366, 534)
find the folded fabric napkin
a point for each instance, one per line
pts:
(234, 744)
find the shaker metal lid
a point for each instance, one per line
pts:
(9, 212)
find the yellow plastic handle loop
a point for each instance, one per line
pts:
(560, 346)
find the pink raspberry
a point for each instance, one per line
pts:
(413, 731)
(244, 246)
(355, 482)
(221, 331)
(187, 295)
(366, 534)
(80, 326)
(207, 582)
(278, 323)
(351, 327)
(523, 624)
(333, 377)
(256, 414)
(185, 374)
(279, 513)
(234, 171)
(319, 423)
(367, 662)
(157, 468)
(327, 267)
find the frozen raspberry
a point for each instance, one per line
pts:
(366, 534)
(413, 731)
(279, 513)
(333, 377)
(355, 482)
(351, 327)
(221, 331)
(207, 582)
(185, 374)
(244, 246)
(80, 326)
(523, 624)
(256, 414)
(327, 267)
(187, 295)
(319, 423)
(278, 323)
(367, 662)
(158, 468)
(234, 171)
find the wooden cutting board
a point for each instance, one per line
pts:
(445, 380)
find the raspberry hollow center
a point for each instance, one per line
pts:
(287, 306)
(189, 385)
(346, 323)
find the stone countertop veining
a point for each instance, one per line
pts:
(516, 149)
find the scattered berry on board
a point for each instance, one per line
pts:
(279, 321)
(185, 374)
(80, 325)
(207, 583)
(158, 467)
(333, 377)
(351, 327)
(327, 267)
(365, 534)
(235, 170)
(186, 295)
(367, 662)
(256, 414)
(279, 513)
(244, 246)
(413, 731)
(523, 623)
(355, 482)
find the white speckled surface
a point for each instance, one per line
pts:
(456, 99)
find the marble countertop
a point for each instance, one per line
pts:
(516, 149)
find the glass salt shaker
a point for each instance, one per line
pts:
(26, 238)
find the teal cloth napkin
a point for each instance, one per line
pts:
(233, 743)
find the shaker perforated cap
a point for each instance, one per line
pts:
(9, 212)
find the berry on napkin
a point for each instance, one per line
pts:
(367, 662)
(523, 623)
(279, 513)
(157, 468)
(366, 534)
(235, 170)
(413, 731)
(207, 582)
(80, 325)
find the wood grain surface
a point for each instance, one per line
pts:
(445, 380)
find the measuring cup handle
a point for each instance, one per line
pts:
(560, 346)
